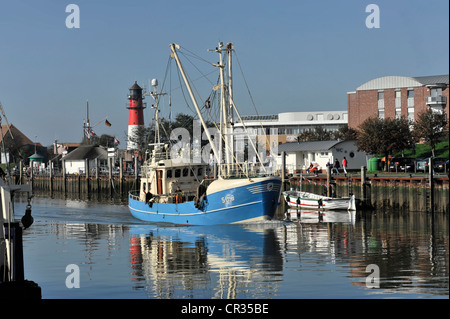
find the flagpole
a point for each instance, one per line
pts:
(88, 123)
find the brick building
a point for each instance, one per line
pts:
(395, 96)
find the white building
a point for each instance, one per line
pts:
(291, 124)
(300, 155)
(75, 161)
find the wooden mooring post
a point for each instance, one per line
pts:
(430, 207)
(283, 171)
(50, 171)
(329, 191)
(363, 185)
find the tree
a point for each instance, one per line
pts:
(319, 134)
(103, 140)
(345, 133)
(431, 126)
(384, 136)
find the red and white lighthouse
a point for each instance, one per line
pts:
(135, 114)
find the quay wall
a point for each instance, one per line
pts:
(378, 193)
(384, 193)
(80, 186)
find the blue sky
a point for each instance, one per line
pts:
(296, 55)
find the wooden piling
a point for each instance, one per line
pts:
(283, 171)
(329, 181)
(363, 184)
(50, 171)
(121, 175)
(431, 184)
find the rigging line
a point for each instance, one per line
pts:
(195, 55)
(168, 66)
(251, 98)
(189, 78)
(203, 75)
(234, 157)
(199, 78)
(182, 91)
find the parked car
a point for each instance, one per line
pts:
(401, 164)
(440, 164)
(422, 165)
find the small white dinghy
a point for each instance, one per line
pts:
(298, 199)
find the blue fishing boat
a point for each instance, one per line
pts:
(173, 190)
(224, 202)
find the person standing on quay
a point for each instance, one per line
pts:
(336, 166)
(344, 165)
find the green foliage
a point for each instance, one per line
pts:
(384, 136)
(321, 134)
(423, 150)
(432, 127)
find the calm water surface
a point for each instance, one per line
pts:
(309, 256)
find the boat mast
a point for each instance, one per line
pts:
(229, 110)
(87, 126)
(226, 114)
(173, 48)
(155, 95)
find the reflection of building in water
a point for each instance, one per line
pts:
(407, 249)
(171, 267)
(90, 236)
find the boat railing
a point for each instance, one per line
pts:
(169, 197)
(161, 155)
(134, 194)
(244, 169)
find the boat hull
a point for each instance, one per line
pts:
(312, 201)
(231, 201)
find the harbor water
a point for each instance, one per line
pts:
(88, 249)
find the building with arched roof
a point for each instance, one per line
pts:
(395, 96)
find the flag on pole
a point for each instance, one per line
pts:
(116, 141)
(107, 123)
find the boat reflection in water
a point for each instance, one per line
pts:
(171, 261)
(315, 216)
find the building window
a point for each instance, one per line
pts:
(410, 98)
(381, 104)
(411, 113)
(398, 104)
(435, 92)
